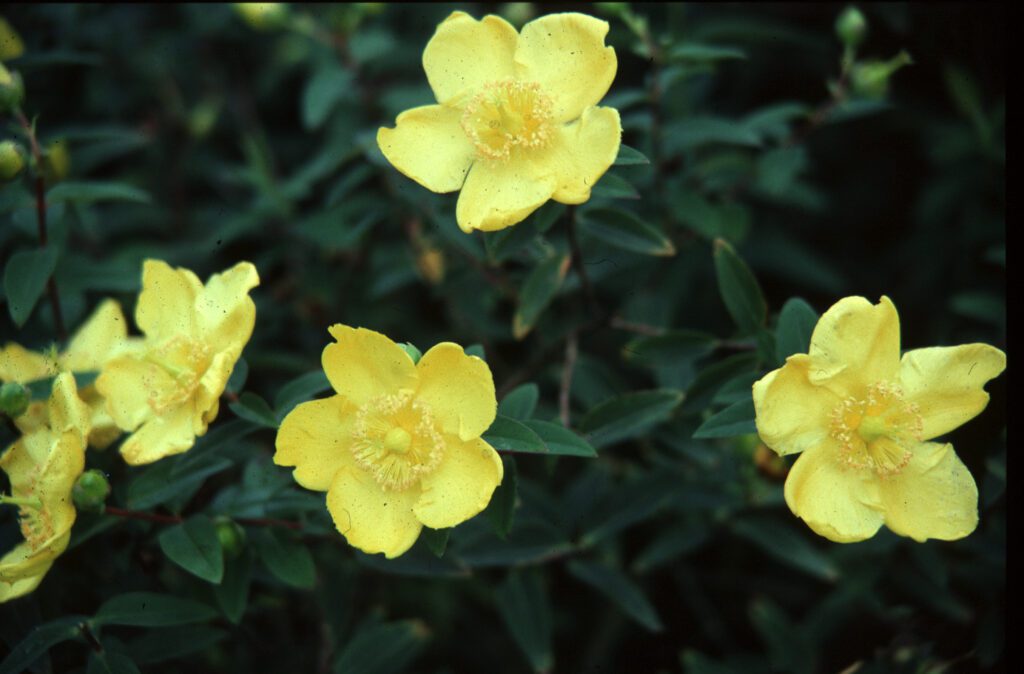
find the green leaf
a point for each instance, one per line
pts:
(537, 292)
(736, 419)
(233, 592)
(323, 91)
(787, 546)
(630, 157)
(713, 377)
(436, 539)
(40, 640)
(704, 53)
(238, 376)
(620, 589)
(25, 277)
(501, 510)
(300, 390)
(382, 648)
(149, 609)
(160, 482)
(694, 132)
(628, 415)
(88, 192)
(523, 603)
(289, 560)
(788, 648)
(613, 186)
(796, 323)
(671, 544)
(254, 409)
(193, 545)
(109, 661)
(508, 435)
(560, 440)
(172, 643)
(673, 346)
(727, 220)
(739, 289)
(625, 230)
(520, 402)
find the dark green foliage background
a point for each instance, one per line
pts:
(666, 553)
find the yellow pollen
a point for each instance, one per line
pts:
(507, 115)
(395, 440)
(878, 431)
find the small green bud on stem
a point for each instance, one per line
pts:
(851, 27)
(91, 490)
(231, 536)
(14, 399)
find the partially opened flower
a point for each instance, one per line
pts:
(516, 122)
(398, 447)
(168, 390)
(862, 417)
(42, 467)
(102, 337)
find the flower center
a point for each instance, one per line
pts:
(878, 431)
(506, 115)
(184, 360)
(396, 441)
(34, 520)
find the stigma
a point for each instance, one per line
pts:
(507, 117)
(877, 431)
(396, 440)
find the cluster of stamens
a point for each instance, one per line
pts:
(185, 361)
(394, 438)
(878, 431)
(508, 115)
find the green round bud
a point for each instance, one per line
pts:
(12, 90)
(14, 399)
(851, 27)
(231, 536)
(871, 78)
(91, 490)
(12, 160)
(413, 352)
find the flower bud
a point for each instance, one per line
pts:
(11, 44)
(11, 160)
(413, 352)
(12, 90)
(231, 536)
(90, 491)
(871, 78)
(14, 399)
(56, 162)
(263, 15)
(851, 27)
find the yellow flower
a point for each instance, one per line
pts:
(862, 416)
(516, 122)
(43, 466)
(398, 447)
(168, 390)
(102, 337)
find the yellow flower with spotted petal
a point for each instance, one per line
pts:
(43, 466)
(102, 337)
(398, 447)
(516, 121)
(168, 390)
(862, 417)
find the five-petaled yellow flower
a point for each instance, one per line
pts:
(168, 390)
(862, 416)
(102, 337)
(517, 121)
(398, 448)
(43, 466)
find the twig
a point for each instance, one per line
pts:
(571, 351)
(577, 263)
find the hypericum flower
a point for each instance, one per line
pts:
(516, 122)
(43, 466)
(102, 337)
(398, 447)
(862, 416)
(168, 390)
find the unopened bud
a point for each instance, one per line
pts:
(14, 399)
(12, 90)
(12, 160)
(263, 15)
(231, 536)
(413, 352)
(56, 161)
(851, 27)
(90, 491)
(11, 44)
(871, 79)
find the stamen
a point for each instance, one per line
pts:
(508, 115)
(877, 432)
(396, 441)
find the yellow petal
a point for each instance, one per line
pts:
(792, 414)
(166, 305)
(225, 314)
(166, 435)
(461, 486)
(583, 152)
(499, 194)
(102, 337)
(211, 387)
(429, 146)
(66, 410)
(947, 383)
(854, 345)
(566, 55)
(56, 478)
(459, 390)
(363, 364)
(20, 587)
(836, 501)
(315, 437)
(934, 496)
(370, 518)
(128, 383)
(464, 54)
(21, 365)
